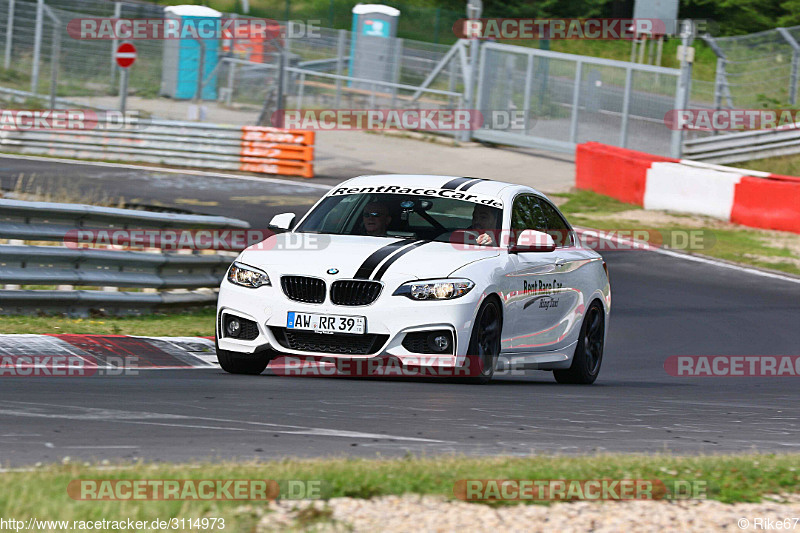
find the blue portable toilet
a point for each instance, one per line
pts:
(180, 63)
(373, 43)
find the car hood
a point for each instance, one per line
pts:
(360, 256)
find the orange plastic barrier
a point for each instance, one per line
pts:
(277, 151)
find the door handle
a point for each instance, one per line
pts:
(560, 261)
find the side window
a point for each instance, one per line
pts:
(555, 225)
(527, 214)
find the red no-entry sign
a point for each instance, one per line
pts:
(125, 55)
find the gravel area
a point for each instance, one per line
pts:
(437, 514)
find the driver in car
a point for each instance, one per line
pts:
(376, 219)
(484, 221)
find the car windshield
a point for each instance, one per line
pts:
(399, 216)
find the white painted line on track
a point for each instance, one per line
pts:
(186, 421)
(640, 246)
(169, 170)
(310, 431)
(99, 447)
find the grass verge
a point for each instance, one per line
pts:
(776, 250)
(197, 323)
(42, 492)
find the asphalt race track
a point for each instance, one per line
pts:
(662, 306)
(253, 199)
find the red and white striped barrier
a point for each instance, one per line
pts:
(747, 197)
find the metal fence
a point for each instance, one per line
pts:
(30, 272)
(756, 70)
(87, 67)
(569, 99)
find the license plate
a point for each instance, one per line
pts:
(326, 323)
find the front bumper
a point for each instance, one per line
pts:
(391, 317)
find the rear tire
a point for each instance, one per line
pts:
(238, 363)
(484, 343)
(589, 352)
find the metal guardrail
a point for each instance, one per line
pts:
(194, 275)
(17, 95)
(246, 148)
(744, 146)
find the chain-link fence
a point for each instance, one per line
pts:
(757, 70)
(86, 68)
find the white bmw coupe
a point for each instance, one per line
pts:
(457, 272)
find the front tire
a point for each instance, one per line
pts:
(237, 363)
(589, 352)
(484, 343)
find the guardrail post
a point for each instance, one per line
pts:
(721, 89)
(795, 57)
(451, 86)
(55, 55)
(37, 46)
(626, 105)
(301, 90)
(198, 94)
(55, 61)
(576, 100)
(472, 71)
(398, 59)
(339, 66)
(526, 98)
(231, 78)
(718, 84)
(9, 35)
(278, 114)
(115, 44)
(684, 86)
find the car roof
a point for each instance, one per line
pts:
(499, 189)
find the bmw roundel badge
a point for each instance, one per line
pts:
(333, 271)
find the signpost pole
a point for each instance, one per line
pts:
(123, 90)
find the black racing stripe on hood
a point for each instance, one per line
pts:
(371, 262)
(470, 184)
(395, 257)
(453, 183)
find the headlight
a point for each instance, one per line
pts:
(247, 276)
(436, 289)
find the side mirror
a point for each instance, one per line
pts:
(282, 222)
(533, 241)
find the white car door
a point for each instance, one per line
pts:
(543, 294)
